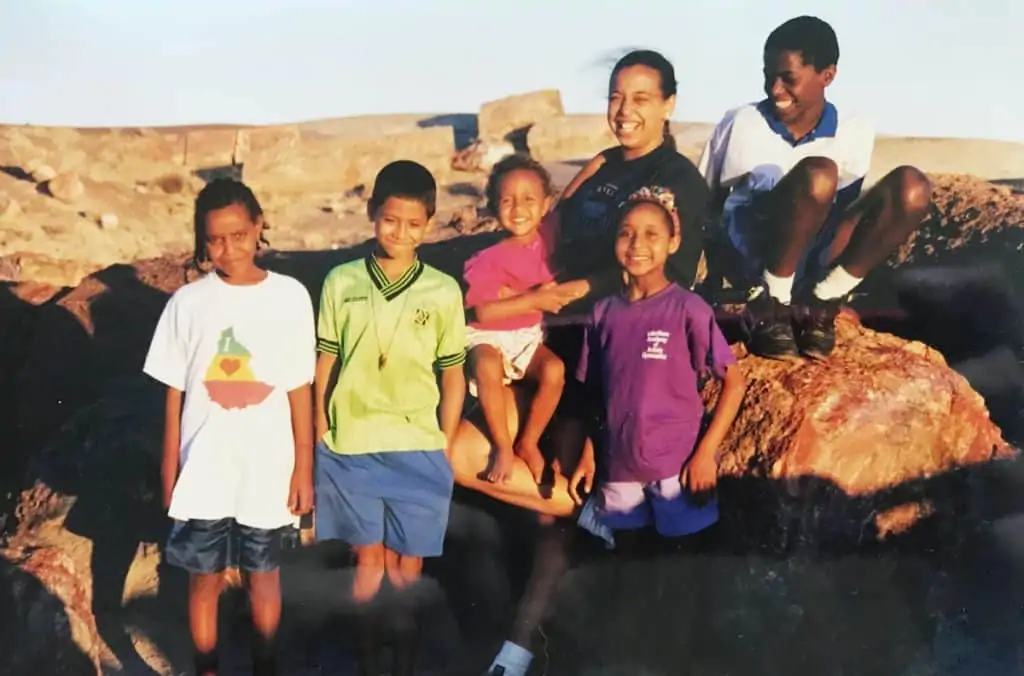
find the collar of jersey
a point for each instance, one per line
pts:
(391, 290)
(827, 126)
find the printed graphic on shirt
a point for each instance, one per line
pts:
(229, 379)
(656, 345)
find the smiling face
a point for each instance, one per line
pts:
(232, 239)
(522, 202)
(399, 225)
(645, 240)
(637, 110)
(796, 89)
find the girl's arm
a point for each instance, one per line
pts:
(300, 498)
(172, 443)
(734, 387)
(548, 298)
(324, 371)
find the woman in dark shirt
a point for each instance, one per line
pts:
(641, 100)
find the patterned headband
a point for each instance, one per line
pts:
(661, 195)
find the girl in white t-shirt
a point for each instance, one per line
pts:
(235, 350)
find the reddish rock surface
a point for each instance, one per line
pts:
(47, 615)
(861, 446)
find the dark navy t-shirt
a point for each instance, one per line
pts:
(588, 218)
(648, 358)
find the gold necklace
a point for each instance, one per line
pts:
(382, 359)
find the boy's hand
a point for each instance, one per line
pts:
(300, 493)
(585, 473)
(700, 474)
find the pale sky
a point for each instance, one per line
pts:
(920, 67)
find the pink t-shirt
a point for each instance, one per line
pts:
(519, 267)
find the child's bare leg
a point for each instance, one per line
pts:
(489, 372)
(548, 372)
(404, 574)
(265, 599)
(203, 598)
(369, 576)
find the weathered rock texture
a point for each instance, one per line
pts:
(860, 447)
(46, 615)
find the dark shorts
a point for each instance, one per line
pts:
(629, 505)
(206, 546)
(743, 234)
(398, 498)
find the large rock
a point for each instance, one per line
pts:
(333, 165)
(210, 148)
(498, 119)
(265, 144)
(855, 449)
(46, 616)
(555, 139)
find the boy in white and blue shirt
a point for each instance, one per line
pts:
(786, 174)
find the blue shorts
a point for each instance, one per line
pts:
(398, 498)
(206, 546)
(630, 505)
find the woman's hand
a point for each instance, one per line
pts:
(552, 297)
(584, 473)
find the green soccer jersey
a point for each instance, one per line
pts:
(389, 336)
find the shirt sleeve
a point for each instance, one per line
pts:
(709, 351)
(167, 358)
(327, 335)
(301, 348)
(712, 158)
(451, 343)
(483, 278)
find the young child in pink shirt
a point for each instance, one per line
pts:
(508, 286)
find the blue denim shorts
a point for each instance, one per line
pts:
(205, 546)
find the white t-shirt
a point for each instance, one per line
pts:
(236, 352)
(749, 151)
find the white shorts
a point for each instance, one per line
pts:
(517, 348)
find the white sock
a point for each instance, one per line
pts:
(514, 658)
(837, 284)
(779, 288)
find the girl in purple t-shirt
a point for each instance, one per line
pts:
(649, 349)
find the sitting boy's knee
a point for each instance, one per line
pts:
(486, 363)
(913, 188)
(822, 177)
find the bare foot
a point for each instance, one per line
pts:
(534, 459)
(501, 467)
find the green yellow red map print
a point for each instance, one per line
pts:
(229, 379)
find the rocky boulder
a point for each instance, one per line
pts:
(856, 449)
(513, 115)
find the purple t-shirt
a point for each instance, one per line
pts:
(648, 357)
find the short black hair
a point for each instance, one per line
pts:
(218, 194)
(809, 35)
(405, 179)
(506, 166)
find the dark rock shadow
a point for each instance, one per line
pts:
(35, 631)
(464, 124)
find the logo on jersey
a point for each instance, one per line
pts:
(656, 345)
(420, 317)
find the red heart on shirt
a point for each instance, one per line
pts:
(229, 366)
